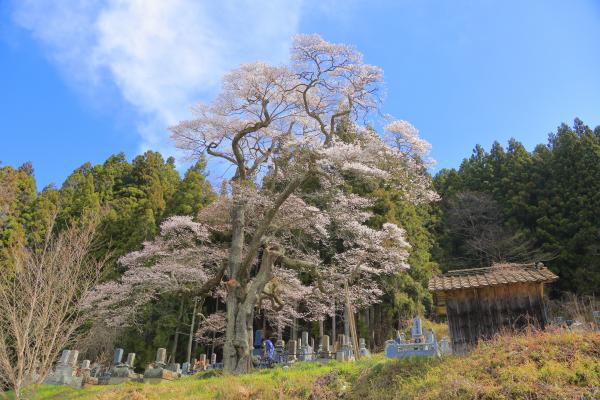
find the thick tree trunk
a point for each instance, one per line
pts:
(242, 298)
(243, 291)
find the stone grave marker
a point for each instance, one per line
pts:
(157, 371)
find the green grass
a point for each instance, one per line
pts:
(534, 366)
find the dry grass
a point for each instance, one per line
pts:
(536, 365)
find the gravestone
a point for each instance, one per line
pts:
(123, 372)
(158, 371)
(420, 345)
(175, 367)
(161, 356)
(346, 348)
(202, 363)
(213, 358)
(445, 346)
(86, 374)
(325, 352)
(185, 368)
(64, 373)
(257, 346)
(292, 350)
(130, 360)
(280, 356)
(362, 348)
(73, 356)
(417, 330)
(306, 351)
(118, 356)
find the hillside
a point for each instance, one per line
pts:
(545, 365)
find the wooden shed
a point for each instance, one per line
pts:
(482, 302)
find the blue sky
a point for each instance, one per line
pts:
(83, 80)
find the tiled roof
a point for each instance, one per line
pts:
(497, 274)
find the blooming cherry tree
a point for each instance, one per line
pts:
(287, 236)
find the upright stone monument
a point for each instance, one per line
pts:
(306, 351)
(118, 356)
(64, 372)
(202, 363)
(347, 349)
(123, 372)
(420, 345)
(85, 371)
(257, 347)
(445, 346)
(325, 353)
(158, 371)
(280, 356)
(362, 348)
(73, 356)
(292, 350)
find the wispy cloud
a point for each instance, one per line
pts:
(161, 55)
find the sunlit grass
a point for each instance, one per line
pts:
(562, 365)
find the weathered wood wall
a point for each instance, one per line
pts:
(484, 312)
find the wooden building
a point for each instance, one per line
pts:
(482, 302)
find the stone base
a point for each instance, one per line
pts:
(64, 380)
(115, 380)
(155, 375)
(90, 381)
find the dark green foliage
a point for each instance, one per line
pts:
(129, 201)
(549, 200)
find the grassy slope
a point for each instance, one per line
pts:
(535, 366)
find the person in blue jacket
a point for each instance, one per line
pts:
(269, 349)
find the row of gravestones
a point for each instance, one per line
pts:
(66, 372)
(576, 325)
(304, 350)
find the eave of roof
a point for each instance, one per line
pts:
(497, 274)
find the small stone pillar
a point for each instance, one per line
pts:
(305, 338)
(161, 356)
(362, 348)
(445, 346)
(325, 350)
(430, 337)
(213, 359)
(85, 364)
(202, 364)
(292, 349)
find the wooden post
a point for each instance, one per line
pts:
(350, 316)
(212, 345)
(176, 337)
(191, 337)
(333, 335)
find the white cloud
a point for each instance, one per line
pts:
(162, 55)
